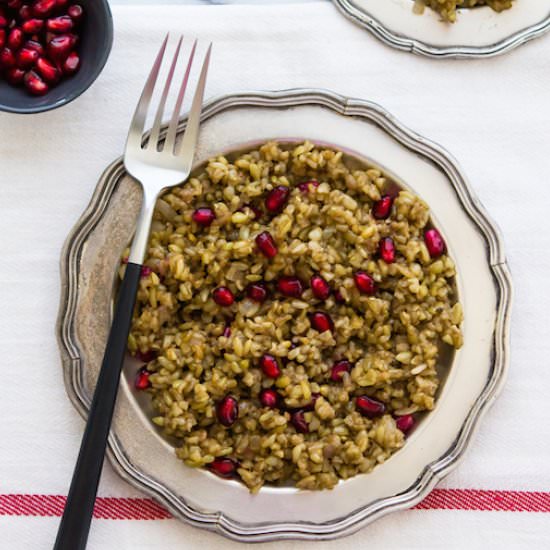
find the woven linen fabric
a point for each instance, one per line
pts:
(493, 115)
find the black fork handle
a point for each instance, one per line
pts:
(77, 516)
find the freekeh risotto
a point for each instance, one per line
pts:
(291, 314)
(447, 8)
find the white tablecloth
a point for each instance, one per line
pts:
(493, 115)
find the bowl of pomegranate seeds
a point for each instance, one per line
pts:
(319, 326)
(51, 51)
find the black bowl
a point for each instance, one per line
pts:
(96, 39)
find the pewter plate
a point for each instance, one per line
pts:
(478, 32)
(146, 460)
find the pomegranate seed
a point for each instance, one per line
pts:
(270, 366)
(227, 331)
(319, 287)
(142, 381)
(7, 59)
(26, 58)
(146, 271)
(338, 297)
(277, 198)
(204, 216)
(51, 75)
(405, 422)
(269, 398)
(76, 13)
(3, 21)
(224, 467)
(35, 84)
(15, 39)
(223, 296)
(2, 38)
(382, 209)
(338, 370)
(43, 8)
(321, 321)
(290, 286)
(266, 244)
(71, 64)
(32, 26)
(299, 422)
(59, 47)
(387, 250)
(146, 356)
(227, 410)
(369, 407)
(257, 292)
(311, 405)
(15, 76)
(364, 283)
(25, 12)
(36, 46)
(60, 4)
(305, 186)
(434, 242)
(62, 23)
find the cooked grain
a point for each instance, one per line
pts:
(447, 8)
(393, 338)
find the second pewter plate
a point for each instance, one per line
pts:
(478, 32)
(142, 457)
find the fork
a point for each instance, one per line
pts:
(157, 164)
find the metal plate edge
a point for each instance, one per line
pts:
(374, 510)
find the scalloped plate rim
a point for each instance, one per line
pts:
(413, 45)
(434, 472)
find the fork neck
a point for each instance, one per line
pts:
(143, 227)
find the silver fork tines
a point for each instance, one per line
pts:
(156, 164)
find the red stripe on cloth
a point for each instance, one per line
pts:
(148, 509)
(105, 507)
(484, 500)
